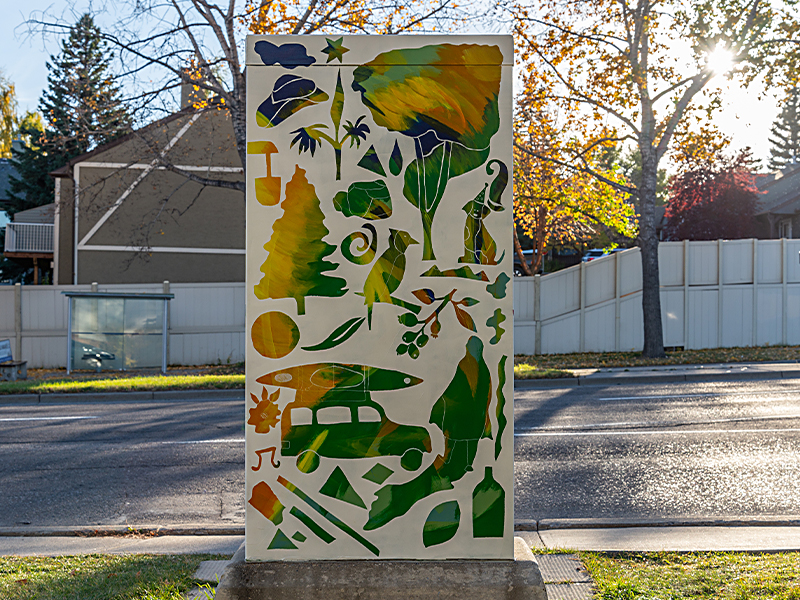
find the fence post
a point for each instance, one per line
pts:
(617, 285)
(18, 321)
(784, 279)
(720, 284)
(167, 316)
(755, 292)
(582, 292)
(686, 294)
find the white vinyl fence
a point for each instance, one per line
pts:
(713, 295)
(206, 321)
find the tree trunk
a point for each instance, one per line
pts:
(648, 242)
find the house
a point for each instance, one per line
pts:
(28, 237)
(779, 212)
(121, 216)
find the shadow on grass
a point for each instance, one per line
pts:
(99, 577)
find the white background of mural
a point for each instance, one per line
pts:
(438, 360)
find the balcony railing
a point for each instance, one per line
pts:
(33, 238)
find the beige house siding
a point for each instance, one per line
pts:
(140, 223)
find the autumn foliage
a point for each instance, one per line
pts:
(713, 201)
(554, 204)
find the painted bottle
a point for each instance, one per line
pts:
(488, 507)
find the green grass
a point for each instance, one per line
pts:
(99, 577)
(717, 576)
(126, 384)
(600, 360)
(526, 371)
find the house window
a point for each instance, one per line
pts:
(785, 229)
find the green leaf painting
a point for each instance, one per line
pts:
(442, 524)
(296, 265)
(366, 199)
(446, 98)
(339, 335)
(396, 160)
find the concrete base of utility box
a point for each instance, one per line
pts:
(518, 579)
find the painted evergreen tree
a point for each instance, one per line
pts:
(82, 109)
(785, 132)
(296, 262)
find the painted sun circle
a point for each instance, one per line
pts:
(274, 334)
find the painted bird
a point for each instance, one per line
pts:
(387, 273)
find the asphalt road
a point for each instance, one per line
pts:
(658, 451)
(122, 463)
(673, 451)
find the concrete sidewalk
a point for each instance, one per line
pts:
(601, 539)
(670, 374)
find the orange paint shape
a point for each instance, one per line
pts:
(274, 334)
(268, 189)
(266, 502)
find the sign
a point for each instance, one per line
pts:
(379, 419)
(5, 351)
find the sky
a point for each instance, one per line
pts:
(744, 117)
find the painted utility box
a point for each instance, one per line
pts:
(379, 419)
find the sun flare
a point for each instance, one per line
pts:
(720, 60)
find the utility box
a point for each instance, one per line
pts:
(379, 418)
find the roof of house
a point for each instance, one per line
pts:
(41, 214)
(66, 170)
(780, 192)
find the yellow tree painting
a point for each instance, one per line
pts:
(379, 418)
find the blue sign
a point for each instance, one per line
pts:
(5, 350)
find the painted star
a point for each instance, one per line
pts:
(335, 49)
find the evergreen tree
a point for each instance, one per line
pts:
(82, 109)
(785, 131)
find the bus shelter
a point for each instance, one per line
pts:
(117, 331)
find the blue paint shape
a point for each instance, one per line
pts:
(286, 55)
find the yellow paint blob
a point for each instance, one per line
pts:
(274, 334)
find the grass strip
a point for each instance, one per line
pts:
(701, 575)
(599, 360)
(127, 384)
(528, 371)
(99, 577)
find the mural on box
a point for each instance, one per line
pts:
(378, 240)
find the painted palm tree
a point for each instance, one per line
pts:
(308, 137)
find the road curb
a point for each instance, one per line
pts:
(587, 523)
(205, 394)
(591, 380)
(122, 531)
(529, 525)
